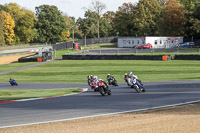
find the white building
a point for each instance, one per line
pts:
(157, 42)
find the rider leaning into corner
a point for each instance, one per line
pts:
(95, 80)
(109, 77)
(132, 75)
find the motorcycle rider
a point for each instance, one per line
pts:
(131, 75)
(11, 80)
(89, 79)
(126, 78)
(109, 78)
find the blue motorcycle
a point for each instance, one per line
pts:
(13, 82)
(138, 86)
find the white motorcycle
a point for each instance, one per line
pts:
(137, 85)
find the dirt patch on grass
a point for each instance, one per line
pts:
(180, 119)
(11, 58)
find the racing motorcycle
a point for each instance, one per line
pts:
(13, 82)
(112, 81)
(101, 87)
(137, 85)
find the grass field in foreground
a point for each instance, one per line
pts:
(76, 71)
(6, 95)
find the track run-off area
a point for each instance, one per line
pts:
(90, 103)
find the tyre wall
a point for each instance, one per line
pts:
(43, 59)
(114, 57)
(187, 57)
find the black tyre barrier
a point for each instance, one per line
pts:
(187, 57)
(113, 57)
(24, 59)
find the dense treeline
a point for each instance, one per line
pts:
(49, 25)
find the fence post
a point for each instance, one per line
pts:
(55, 53)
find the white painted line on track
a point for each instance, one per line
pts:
(106, 114)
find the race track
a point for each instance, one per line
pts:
(123, 99)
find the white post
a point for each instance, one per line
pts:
(55, 53)
(85, 40)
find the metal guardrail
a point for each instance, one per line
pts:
(138, 51)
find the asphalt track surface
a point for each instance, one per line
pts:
(90, 103)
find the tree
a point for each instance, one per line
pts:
(67, 32)
(98, 7)
(88, 25)
(191, 12)
(24, 21)
(148, 12)
(8, 26)
(2, 41)
(50, 23)
(173, 19)
(124, 20)
(110, 16)
(25, 26)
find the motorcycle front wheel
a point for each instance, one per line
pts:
(101, 90)
(136, 87)
(109, 92)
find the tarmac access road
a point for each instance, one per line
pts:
(90, 103)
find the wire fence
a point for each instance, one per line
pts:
(82, 42)
(119, 51)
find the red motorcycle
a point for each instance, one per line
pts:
(101, 87)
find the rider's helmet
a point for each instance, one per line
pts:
(108, 75)
(125, 75)
(88, 76)
(92, 77)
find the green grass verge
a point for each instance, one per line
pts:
(6, 67)
(68, 51)
(6, 95)
(76, 71)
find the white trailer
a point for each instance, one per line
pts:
(157, 42)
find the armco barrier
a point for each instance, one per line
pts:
(187, 57)
(113, 57)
